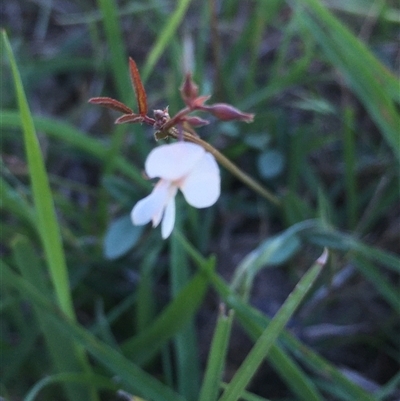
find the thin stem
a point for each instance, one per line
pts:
(240, 174)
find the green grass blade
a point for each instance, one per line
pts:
(46, 217)
(254, 323)
(185, 341)
(382, 285)
(131, 377)
(119, 59)
(216, 357)
(45, 213)
(267, 339)
(350, 171)
(375, 86)
(143, 346)
(98, 381)
(164, 37)
(299, 382)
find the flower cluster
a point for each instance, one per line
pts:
(184, 165)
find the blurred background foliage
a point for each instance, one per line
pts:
(322, 80)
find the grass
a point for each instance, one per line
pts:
(94, 308)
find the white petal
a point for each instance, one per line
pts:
(173, 161)
(202, 186)
(152, 205)
(168, 222)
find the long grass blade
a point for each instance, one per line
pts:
(164, 37)
(375, 86)
(264, 343)
(185, 341)
(216, 358)
(43, 200)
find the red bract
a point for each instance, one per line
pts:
(141, 96)
(111, 104)
(226, 112)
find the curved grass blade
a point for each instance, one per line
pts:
(185, 346)
(95, 380)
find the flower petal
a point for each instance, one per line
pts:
(202, 186)
(152, 206)
(173, 161)
(168, 222)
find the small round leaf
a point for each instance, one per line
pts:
(271, 163)
(120, 237)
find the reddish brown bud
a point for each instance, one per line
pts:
(226, 112)
(195, 121)
(189, 90)
(129, 118)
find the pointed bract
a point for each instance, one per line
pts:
(140, 92)
(129, 118)
(111, 104)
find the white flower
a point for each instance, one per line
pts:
(181, 165)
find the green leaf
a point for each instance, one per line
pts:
(147, 343)
(254, 323)
(270, 163)
(44, 207)
(164, 37)
(298, 381)
(185, 341)
(216, 357)
(120, 237)
(267, 339)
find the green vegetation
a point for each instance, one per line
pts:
(289, 296)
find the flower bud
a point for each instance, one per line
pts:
(189, 90)
(226, 112)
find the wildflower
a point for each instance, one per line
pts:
(181, 165)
